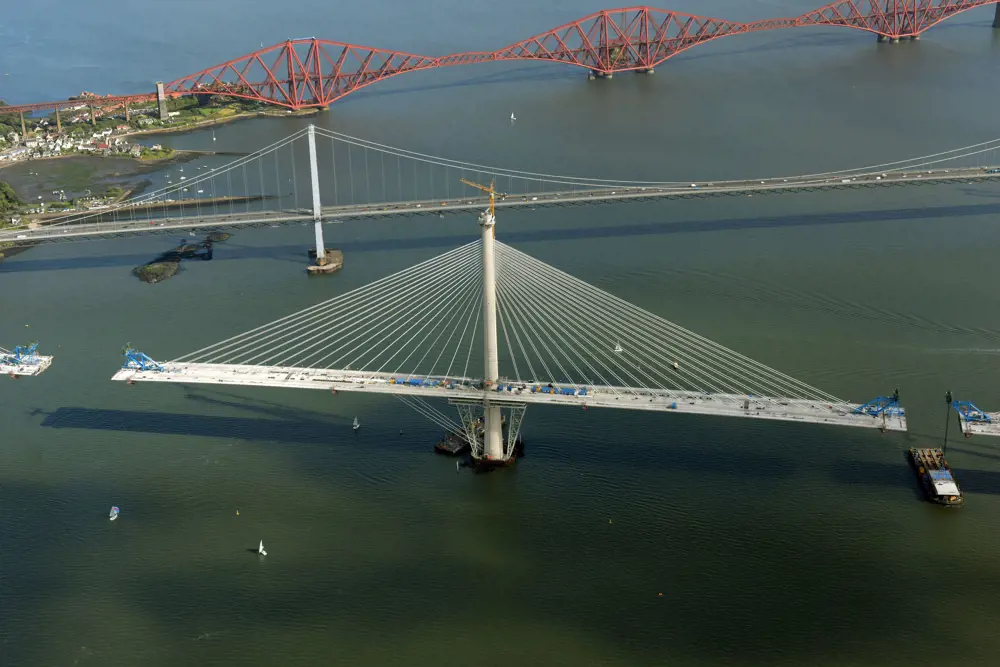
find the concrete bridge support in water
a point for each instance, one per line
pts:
(492, 427)
(327, 261)
(996, 16)
(314, 179)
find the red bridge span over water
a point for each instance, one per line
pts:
(310, 73)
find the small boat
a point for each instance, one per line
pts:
(618, 348)
(512, 116)
(114, 513)
(260, 549)
(356, 425)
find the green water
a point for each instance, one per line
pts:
(621, 538)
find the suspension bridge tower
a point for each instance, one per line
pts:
(486, 433)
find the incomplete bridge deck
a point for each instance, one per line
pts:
(35, 365)
(580, 396)
(972, 427)
(136, 224)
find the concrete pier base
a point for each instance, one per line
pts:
(489, 465)
(914, 38)
(591, 76)
(882, 38)
(894, 40)
(332, 262)
(996, 16)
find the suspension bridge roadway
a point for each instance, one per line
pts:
(131, 222)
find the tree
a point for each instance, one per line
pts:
(9, 201)
(9, 122)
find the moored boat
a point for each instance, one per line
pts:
(936, 478)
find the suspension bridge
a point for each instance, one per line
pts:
(362, 179)
(539, 335)
(309, 73)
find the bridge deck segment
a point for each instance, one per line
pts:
(580, 396)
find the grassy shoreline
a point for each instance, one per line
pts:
(11, 249)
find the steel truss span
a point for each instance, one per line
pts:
(307, 73)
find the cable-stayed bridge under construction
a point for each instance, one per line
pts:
(536, 334)
(335, 177)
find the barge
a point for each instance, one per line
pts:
(935, 477)
(452, 445)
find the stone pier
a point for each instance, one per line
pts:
(996, 17)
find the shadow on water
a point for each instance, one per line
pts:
(979, 481)
(659, 227)
(770, 591)
(294, 428)
(283, 425)
(970, 452)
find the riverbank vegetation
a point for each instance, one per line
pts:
(9, 201)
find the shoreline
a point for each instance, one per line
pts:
(13, 250)
(151, 161)
(212, 122)
(177, 153)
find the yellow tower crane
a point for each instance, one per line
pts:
(489, 190)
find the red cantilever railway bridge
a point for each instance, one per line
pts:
(304, 73)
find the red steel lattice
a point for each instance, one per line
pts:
(303, 73)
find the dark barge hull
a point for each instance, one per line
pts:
(923, 474)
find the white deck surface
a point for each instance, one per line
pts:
(992, 427)
(34, 366)
(813, 412)
(946, 489)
